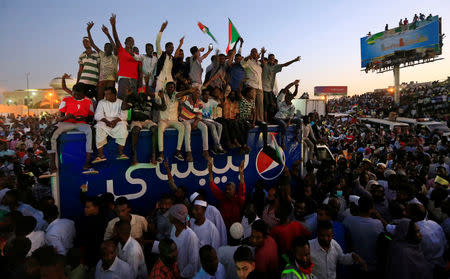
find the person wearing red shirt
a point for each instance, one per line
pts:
(75, 112)
(128, 66)
(266, 249)
(230, 203)
(287, 230)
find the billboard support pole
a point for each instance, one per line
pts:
(397, 84)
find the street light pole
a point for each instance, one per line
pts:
(28, 92)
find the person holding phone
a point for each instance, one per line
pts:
(196, 70)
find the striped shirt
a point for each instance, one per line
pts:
(190, 109)
(89, 74)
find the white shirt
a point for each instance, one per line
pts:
(171, 112)
(433, 243)
(220, 273)
(188, 246)
(213, 215)
(138, 223)
(132, 254)
(253, 71)
(37, 239)
(110, 111)
(207, 233)
(247, 227)
(118, 270)
(325, 262)
(60, 234)
(225, 255)
(149, 66)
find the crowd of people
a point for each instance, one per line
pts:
(380, 210)
(417, 100)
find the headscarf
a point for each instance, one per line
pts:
(406, 260)
(179, 212)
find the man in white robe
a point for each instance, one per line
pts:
(187, 241)
(111, 121)
(213, 215)
(205, 230)
(130, 251)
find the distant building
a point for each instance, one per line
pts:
(38, 98)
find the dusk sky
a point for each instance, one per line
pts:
(45, 37)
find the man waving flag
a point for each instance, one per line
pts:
(206, 31)
(233, 35)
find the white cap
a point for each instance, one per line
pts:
(193, 196)
(201, 203)
(354, 199)
(237, 231)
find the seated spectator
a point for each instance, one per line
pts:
(214, 127)
(406, 259)
(139, 224)
(326, 253)
(287, 230)
(190, 116)
(167, 266)
(230, 202)
(211, 267)
(205, 230)
(110, 266)
(169, 118)
(301, 265)
(111, 121)
(186, 240)
(60, 232)
(229, 119)
(76, 111)
(266, 249)
(129, 250)
(143, 106)
(286, 111)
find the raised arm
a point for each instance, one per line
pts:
(241, 192)
(181, 94)
(296, 83)
(218, 194)
(112, 20)
(90, 24)
(172, 184)
(111, 41)
(263, 63)
(177, 52)
(158, 39)
(231, 56)
(206, 53)
(290, 62)
(63, 84)
(240, 46)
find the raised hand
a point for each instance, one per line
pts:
(112, 19)
(65, 76)
(242, 166)
(202, 49)
(163, 26)
(105, 29)
(298, 58)
(90, 24)
(263, 50)
(181, 40)
(296, 82)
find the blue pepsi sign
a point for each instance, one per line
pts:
(144, 183)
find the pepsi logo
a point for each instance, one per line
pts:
(270, 162)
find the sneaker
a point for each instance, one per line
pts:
(189, 157)
(90, 171)
(214, 151)
(177, 156)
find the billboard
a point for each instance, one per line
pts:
(144, 183)
(330, 91)
(422, 36)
